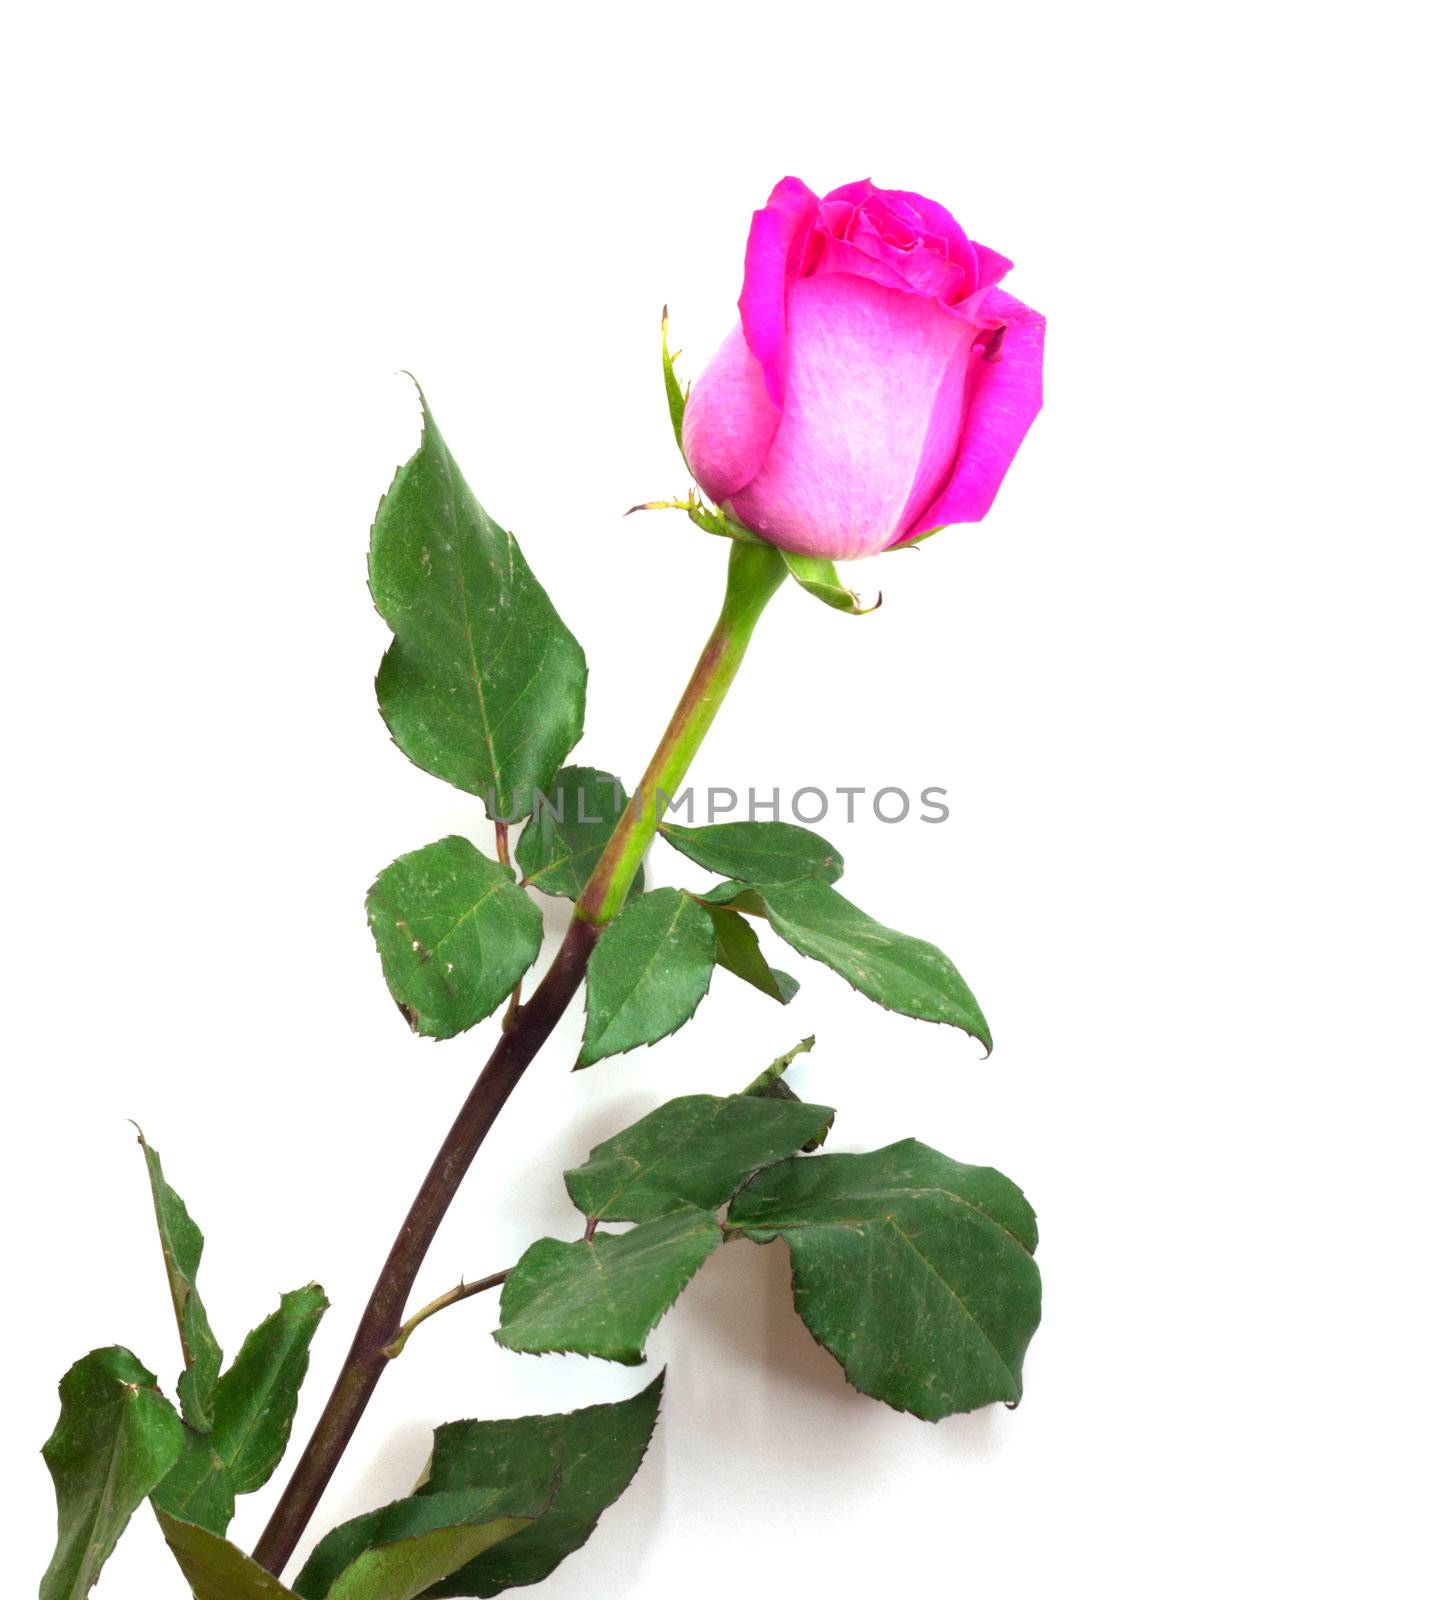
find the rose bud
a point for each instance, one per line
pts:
(878, 383)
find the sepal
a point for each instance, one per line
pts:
(819, 577)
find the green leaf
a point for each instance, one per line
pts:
(602, 1296)
(571, 824)
(914, 1271)
(902, 973)
(736, 896)
(401, 1549)
(256, 1398)
(483, 684)
(590, 1456)
(737, 950)
(405, 1570)
(183, 1248)
(216, 1569)
(821, 579)
(648, 972)
(675, 396)
(199, 1486)
(454, 933)
(758, 852)
(115, 1440)
(694, 1151)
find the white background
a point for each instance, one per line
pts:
(1173, 683)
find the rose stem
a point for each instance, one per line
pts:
(755, 572)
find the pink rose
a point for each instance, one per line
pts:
(878, 384)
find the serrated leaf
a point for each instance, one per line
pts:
(199, 1487)
(420, 1540)
(116, 1438)
(904, 974)
(602, 1296)
(694, 1151)
(182, 1244)
(737, 951)
(454, 933)
(483, 684)
(758, 852)
(589, 1455)
(820, 578)
(256, 1398)
(406, 1570)
(648, 973)
(214, 1568)
(570, 825)
(913, 1270)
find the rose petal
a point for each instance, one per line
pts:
(921, 270)
(992, 268)
(1004, 395)
(853, 194)
(730, 420)
(871, 417)
(773, 257)
(841, 255)
(930, 272)
(934, 221)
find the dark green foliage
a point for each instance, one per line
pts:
(602, 1296)
(571, 824)
(914, 1270)
(483, 684)
(648, 973)
(694, 1151)
(454, 933)
(758, 852)
(115, 1440)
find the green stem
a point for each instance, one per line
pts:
(755, 572)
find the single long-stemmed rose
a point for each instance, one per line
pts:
(876, 389)
(754, 576)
